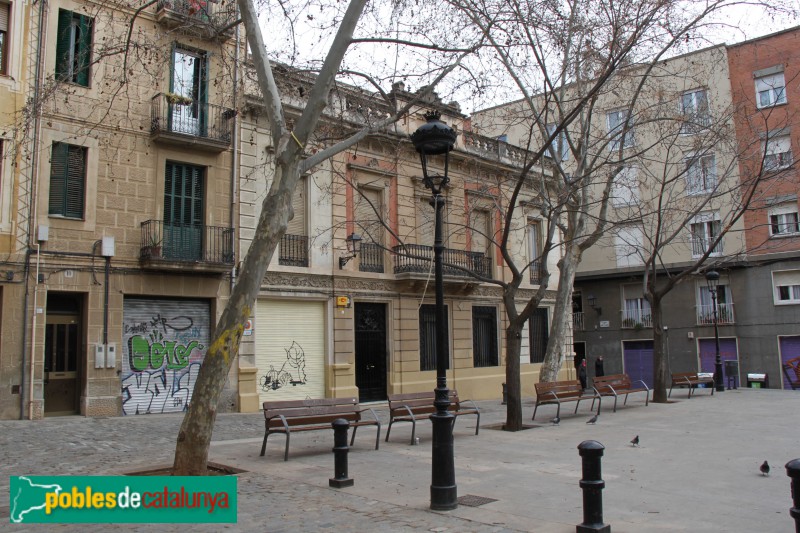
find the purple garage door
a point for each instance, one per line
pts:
(638, 359)
(708, 354)
(790, 348)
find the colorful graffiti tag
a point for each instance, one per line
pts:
(163, 352)
(275, 379)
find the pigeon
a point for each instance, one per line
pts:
(592, 420)
(635, 441)
(764, 468)
(555, 421)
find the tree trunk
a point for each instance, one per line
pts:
(660, 356)
(194, 438)
(513, 381)
(562, 315)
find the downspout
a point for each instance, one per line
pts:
(235, 154)
(32, 217)
(33, 332)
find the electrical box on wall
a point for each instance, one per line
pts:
(99, 356)
(690, 335)
(111, 355)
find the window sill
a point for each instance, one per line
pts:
(788, 302)
(785, 235)
(771, 106)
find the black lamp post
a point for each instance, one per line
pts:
(712, 278)
(432, 139)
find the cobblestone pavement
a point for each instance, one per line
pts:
(696, 469)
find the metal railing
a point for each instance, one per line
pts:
(536, 272)
(212, 12)
(293, 250)
(418, 258)
(176, 114)
(168, 241)
(637, 318)
(705, 314)
(701, 244)
(370, 258)
(577, 321)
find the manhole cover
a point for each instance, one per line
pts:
(474, 501)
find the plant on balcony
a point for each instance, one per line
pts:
(177, 99)
(628, 322)
(153, 246)
(638, 326)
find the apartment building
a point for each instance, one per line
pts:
(126, 214)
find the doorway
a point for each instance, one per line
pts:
(63, 357)
(370, 344)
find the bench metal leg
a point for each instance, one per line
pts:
(615, 402)
(414, 429)
(477, 422)
(670, 391)
(286, 453)
(353, 437)
(264, 444)
(534, 411)
(577, 404)
(389, 430)
(646, 398)
(377, 436)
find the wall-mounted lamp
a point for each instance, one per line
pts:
(353, 247)
(593, 304)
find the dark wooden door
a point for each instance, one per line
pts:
(370, 336)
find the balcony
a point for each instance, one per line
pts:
(180, 121)
(415, 262)
(637, 319)
(705, 314)
(370, 258)
(171, 246)
(536, 272)
(700, 244)
(577, 321)
(200, 18)
(293, 251)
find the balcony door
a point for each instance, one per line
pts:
(184, 198)
(189, 86)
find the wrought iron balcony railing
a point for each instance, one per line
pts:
(577, 321)
(701, 244)
(637, 318)
(182, 117)
(705, 314)
(536, 272)
(205, 18)
(293, 250)
(370, 258)
(186, 243)
(418, 259)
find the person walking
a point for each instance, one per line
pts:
(582, 374)
(599, 371)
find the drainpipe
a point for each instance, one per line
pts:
(33, 333)
(31, 219)
(235, 154)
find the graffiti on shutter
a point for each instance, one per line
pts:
(163, 343)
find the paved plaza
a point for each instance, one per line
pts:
(697, 468)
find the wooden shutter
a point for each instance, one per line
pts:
(58, 179)
(369, 209)
(63, 39)
(297, 226)
(425, 222)
(480, 231)
(83, 50)
(4, 16)
(76, 172)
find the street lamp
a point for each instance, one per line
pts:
(435, 138)
(712, 278)
(353, 242)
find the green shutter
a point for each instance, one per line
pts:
(58, 178)
(76, 172)
(83, 51)
(63, 43)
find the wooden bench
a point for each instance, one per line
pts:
(558, 392)
(408, 407)
(691, 380)
(618, 384)
(792, 366)
(308, 415)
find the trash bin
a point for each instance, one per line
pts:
(757, 381)
(732, 373)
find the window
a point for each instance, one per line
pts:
(625, 188)
(559, 145)
(701, 174)
(636, 313)
(5, 16)
(694, 107)
(426, 222)
(770, 90)
(484, 336)
(73, 47)
(539, 332)
(628, 244)
(704, 230)
(190, 82)
(616, 125)
(67, 180)
(787, 287)
(705, 304)
(294, 244)
(184, 212)
(427, 338)
(534, 249)
(783, 220)
(778, 152)
(368, 216)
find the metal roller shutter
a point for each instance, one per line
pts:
(290, 349)
(164, 343)
(638, 360)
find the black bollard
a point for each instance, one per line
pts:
(505, 395)
(592, 485)
(793, 471)
(340, 451)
